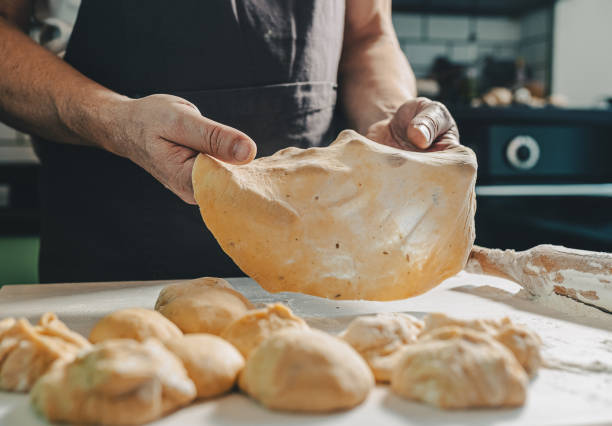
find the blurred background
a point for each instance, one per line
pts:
(528, 81)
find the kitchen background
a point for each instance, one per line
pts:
(528, 82)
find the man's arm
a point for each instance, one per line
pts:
(375, 76)
(43, 95)
(378, 88)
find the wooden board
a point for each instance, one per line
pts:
(578, 342)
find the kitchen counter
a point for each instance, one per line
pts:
(577, 343)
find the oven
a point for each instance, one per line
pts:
(544, 176)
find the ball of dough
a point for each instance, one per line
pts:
(335, 222)
(306, 370)
(248, 331)
(27, 352)
(134, 323)
(118, 382)
(454, 367)
(380, 338)
(522, 342)
(212, 363)
(189, 288)
(6, 324)
(201, 307)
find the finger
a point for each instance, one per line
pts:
(202, 134)
(422, 122)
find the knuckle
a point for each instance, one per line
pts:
(213, 138)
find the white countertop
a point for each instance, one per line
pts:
(579, 342)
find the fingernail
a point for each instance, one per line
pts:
(424, 131)
(241, 151)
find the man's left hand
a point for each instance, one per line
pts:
(418, 125)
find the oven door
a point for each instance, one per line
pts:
(522, 216)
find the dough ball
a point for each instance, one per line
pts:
(248, 331)
(212, 363)
(119, 381)
(6, 324)
(27, 352)
(134, 323)
(306, 370)
(337, 222)
(454, 367)
(380, 338)
(523, 343)
(202, 306)
(189, 288)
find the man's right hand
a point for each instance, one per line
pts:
(163, 134)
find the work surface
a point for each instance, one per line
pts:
(577, 343)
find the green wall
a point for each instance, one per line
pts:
(18, 260)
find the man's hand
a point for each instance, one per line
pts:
(163, 134)
(418, 125)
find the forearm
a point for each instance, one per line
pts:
(375, 77)
(43, 95)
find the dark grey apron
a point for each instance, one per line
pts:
(268, 68)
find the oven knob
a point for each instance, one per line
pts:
(523, 152)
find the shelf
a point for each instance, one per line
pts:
(471, 7)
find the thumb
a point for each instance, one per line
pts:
(215, 139)
(421, 122)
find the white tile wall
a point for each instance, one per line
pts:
(465, 54)
(498, 29)
(535, 53)
(407, 25)
(449, 27)
(424, 53)
(535, 24)
(424, 37)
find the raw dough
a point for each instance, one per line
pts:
(355, 220)
(522, 342)
(119, 381)
(172, 291)
(134, 323)
(206, 305)
(248, 331)
(306, 370)
(454, 367)
(380, 338)
(27, 352)
(212, 363)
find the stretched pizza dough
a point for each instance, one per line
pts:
(134, 323)
(455, 367)
(522, 342)
(212, 363)
(27, 352)
(355, 220)
(380, 338)
(248, 331)
(207, 305)
(306, 370)
(118, 382)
